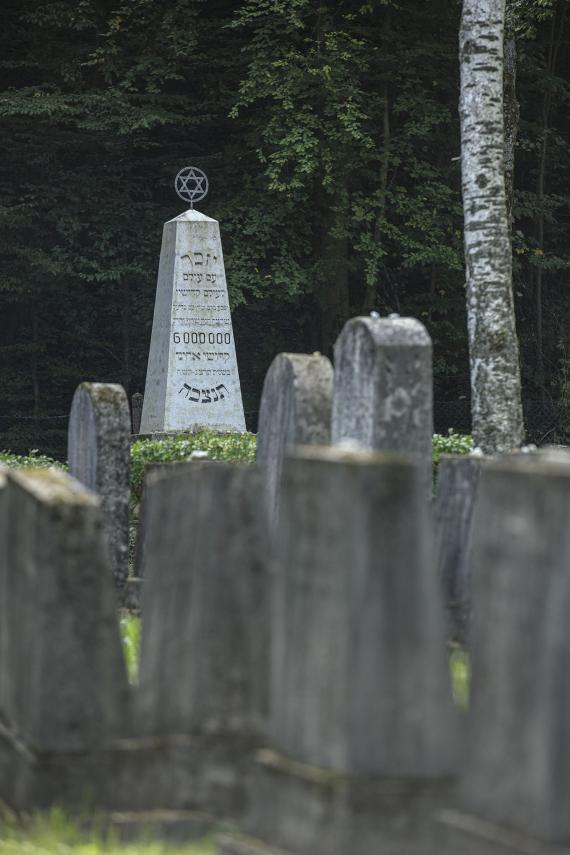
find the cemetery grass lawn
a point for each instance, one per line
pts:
(53, 833)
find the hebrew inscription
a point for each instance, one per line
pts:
(193, 377)
(205, 396)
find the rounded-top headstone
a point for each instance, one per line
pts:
(99, 457)
(383, 388)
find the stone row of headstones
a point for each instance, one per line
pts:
(71, 730)
(362, 755)
(379, 397)
(325, 662)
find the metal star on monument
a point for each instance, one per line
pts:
(191, 184)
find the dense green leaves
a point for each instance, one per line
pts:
(329, 133)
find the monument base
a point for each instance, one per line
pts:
(467, 834)
(297, 809)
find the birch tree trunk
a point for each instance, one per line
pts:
(511, 113)
(496, 407)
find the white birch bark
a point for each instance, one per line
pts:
(493, 346)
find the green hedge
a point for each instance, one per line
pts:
(450, 443)
(33, 460)
(233, 447)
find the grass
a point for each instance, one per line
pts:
(54, 833)
(131, 637)
(460, 665)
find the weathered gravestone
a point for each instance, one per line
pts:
(98, 449)
(150, 471)
(517, 766)
(383, 388)
(362, 725)
(63, 691)
(136, 412)
(202, 695)
(192, 377)
(295, 409)
(454, 504)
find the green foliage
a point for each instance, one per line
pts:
(55, 833)
(329, 133)
(524, 16)
(460, 665)
(130, 626)
(232, 447)
(33, 460)
(451, 443)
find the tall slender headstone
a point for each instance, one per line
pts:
(295, 409)
(99, 456)
(64, 691)
(454, 504)
(192, 378)
(136, 412)
(203, 686)
(383, 388)
(362, 726)
(516, 776)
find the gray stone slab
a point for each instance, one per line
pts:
(192, 378)
(383, 388)
(98, 449)
(517, 765)
(203, 669)
(136, 412)
(65, 692)
(142, 528)
(295, 409)
(360, 679)
(454, 504)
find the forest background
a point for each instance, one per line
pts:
(330, 135)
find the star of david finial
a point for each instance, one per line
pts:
(191, 184)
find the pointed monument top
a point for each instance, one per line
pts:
(192, 215)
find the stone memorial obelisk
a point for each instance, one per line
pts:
(192, 379)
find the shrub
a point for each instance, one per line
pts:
(33, 460)
(233, 447)
(450, 443)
